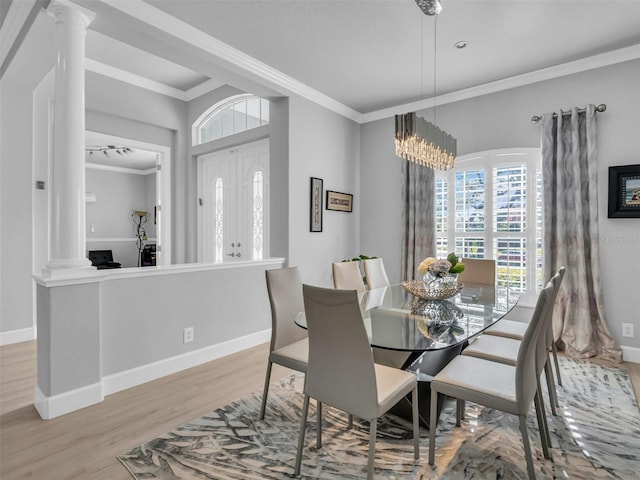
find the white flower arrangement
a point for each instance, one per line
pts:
(441, 267)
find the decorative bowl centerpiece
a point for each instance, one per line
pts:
(430, 291)
(439, 278)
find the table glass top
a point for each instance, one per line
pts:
(397, 320)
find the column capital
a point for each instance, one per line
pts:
(59, 8)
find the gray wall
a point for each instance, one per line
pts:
(326, 145)
(502, 120)
(16, 201)
(114, 108)
(143, 318)
(118, 194)
(127, 111)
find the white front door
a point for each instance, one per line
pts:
(232, 203)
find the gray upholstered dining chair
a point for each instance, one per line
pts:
(507, 388)
(289, 343)
(514, 324)
(347, 276)
(478, 270)
(341, 371)
(375, 273)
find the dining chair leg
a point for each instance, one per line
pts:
(460, 405)
(543, 412)
(551, 387)
(373, 431)
(416, 423)
(542, 425)
(554, 351)
(265, 391)
(319, 429)
(433, 422)
(303, 428)
(527, 447)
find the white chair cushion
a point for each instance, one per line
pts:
(519, 313)
(392, 384)
(294, 355)
(481, 381)
(494, 348)
(507, 328)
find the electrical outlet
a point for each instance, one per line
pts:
(187, 335)
(627, 330)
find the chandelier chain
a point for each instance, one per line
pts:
(435, 66)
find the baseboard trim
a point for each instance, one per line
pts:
(146, 373)
(630, 354)
(17, 336)
(56, 405)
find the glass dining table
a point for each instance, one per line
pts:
(429, 332)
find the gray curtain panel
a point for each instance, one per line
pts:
(570, 199)
(418, 217)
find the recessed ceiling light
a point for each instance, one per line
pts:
(461, 44)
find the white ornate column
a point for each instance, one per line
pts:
(68, 236)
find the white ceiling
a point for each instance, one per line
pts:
(356, 56)
(142, 157)
(367, 54)
(128, 58)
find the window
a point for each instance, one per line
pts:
(258, 215)
(233, 115)
(219, 218)
(495, 212)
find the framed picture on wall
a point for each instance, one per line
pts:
(342, 202)
(624, 191)
(315, 213)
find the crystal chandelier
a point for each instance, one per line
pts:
(424, 143)
(418, 140)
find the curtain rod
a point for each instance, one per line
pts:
(600, 108)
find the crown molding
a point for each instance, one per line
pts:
(205, 87)
(569, 68)
(258, 70)
(245, 64)
(133, 79)
(111, 168)
(14, 21)
(151, 85)
(16, 24)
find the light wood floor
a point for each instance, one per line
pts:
(84, 444)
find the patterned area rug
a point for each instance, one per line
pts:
(596, 435)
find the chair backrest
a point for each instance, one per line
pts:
(347, 276)
(285, 296)
(375, 273)
(478, 270)
(340, 371)
(542, 351)
(526, 368)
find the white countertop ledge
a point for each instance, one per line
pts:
(91, 274)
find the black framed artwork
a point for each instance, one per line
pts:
(624, 191)
(342, 202)
(315, 212)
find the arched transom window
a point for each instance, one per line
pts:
(230, 116)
